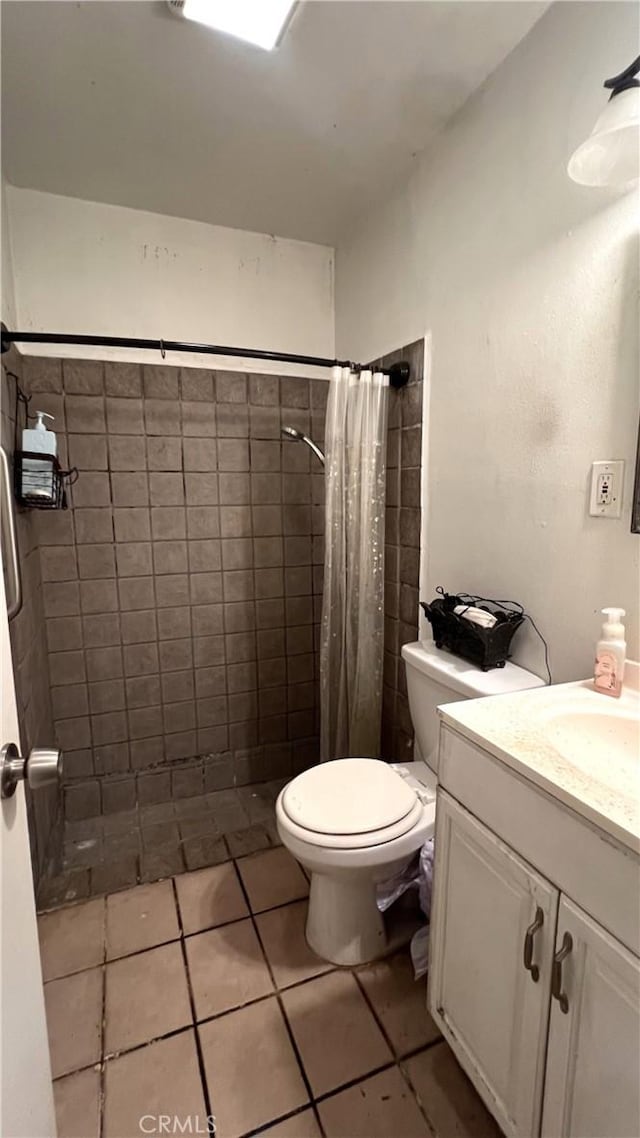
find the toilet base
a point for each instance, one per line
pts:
(344, 924)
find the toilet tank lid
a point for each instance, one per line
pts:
(463, 677)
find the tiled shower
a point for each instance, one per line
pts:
(178, 603)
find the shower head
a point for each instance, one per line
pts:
(299, 437)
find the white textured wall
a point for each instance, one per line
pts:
(85, 267)
(527, 286)
(7, 299)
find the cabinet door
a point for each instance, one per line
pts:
(592, 1087)
(488, 1005)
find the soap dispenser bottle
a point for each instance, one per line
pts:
(38, 476)
(611, 651)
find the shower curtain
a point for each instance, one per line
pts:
(352, 631)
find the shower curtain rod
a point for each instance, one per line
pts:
(398, 373)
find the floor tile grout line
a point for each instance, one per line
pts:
(214, 928)
(110, 1056)
(300, 1062)
(394, 1062)
(161, 881)
(313, 1100)
(400, 1056)
(377, 1018)
(409, 1082)
(76, 901)
(183, 937)
(419, 1050)
(103, 1025)
(288, 1029)
(373, 1074)
(281, 1118)
(139, 856)
(397, 1061)
(319, 1099)
(260, 999)
(235, 920)
(194, 1026)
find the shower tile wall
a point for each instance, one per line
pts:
(402, 550)
(183, 589)
(28, 644)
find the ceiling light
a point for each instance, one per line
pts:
(611, 154)
(260, 22)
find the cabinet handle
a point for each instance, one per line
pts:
(556, 973)
(537, 924)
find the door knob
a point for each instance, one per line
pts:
(42, 766)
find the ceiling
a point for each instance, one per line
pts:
(125, 103)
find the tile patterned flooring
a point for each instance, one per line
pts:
(156, 841)
(198, 996)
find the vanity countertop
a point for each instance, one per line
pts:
(580, 746)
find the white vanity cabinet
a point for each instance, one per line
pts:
(592, 1087)
(539, 1002)
(492, 1006)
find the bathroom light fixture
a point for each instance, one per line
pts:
(611, 154)
(260, 22)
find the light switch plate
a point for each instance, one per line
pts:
(606, 489)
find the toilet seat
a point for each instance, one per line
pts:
(349, 804)
(352, 850)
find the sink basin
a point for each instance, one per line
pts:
(603, 743)
(578, 745)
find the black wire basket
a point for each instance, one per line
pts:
(485, 647)
(39, 481)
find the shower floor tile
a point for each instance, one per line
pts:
(105, 854)
(200, 852)
(237, 1018)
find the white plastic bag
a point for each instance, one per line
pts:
(416, 874)
(425, 877)
(420, 952)
(406, 878)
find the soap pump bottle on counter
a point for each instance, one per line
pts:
(611, 651)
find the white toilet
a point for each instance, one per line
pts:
(353, 823)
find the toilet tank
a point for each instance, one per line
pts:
(435, 677)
